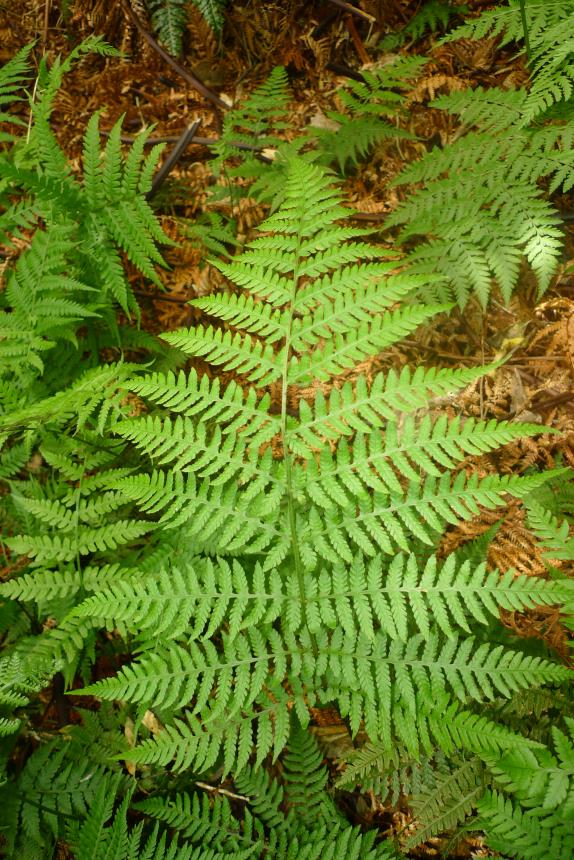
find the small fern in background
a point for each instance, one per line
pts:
(250, 147)
(105, 212)
(433, 16)
(169, 19)
(292, 817)
(212, 11)
(531, 814)
(211, 233)
(368, 110)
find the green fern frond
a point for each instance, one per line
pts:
(93, 396)
(13, 76)
(358, 674)
(354, 138)
(369, 106)
(101, 836)
(554, 535)
(502, 147)
(211, 233)
(212, 11)
(204, 399)
(17, 685)
(473, 243)
(49, 789)
(296, 534)
(269, 826)
(383, 521)
(204, 822)
(506, 21)
(169, 19)
(357, 599)
(360, 406)
(45, 548)
(247, 130)
(433, 16)
(42, 300)
(539, 779)
(522, 834)
(306, 779)
(450, 800)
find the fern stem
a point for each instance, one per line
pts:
(525, 28)
(177, 67)
(287, 454)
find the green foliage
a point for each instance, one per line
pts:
(56, 398)
(15, 689)
(226, 555)
(169, 19)
(50, 788)
(250, 145)
(13, 76)
(370, 112)
(87, 222)
(288, 819)
(448, 801)
(481, 206)
(433, 16)
(211, 234)
(290, 558)
(212, 11)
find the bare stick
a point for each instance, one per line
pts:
(348, 7)
(172, 159)
(200, 141)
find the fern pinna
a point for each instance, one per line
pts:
(294, 511)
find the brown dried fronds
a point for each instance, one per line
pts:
(514, 547)
(543, 623)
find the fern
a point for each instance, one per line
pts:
(506, 21)
(13, 75)
(249, 550)
(16, 686)
(275, 823)
(481, 207)
(371, 109)
(521, 834)
(290, 556)
(169, 19)
(107, 211)
(212, 11)
(211, 233)
(50, 788)
(433, 16)
(450, 800)
(250, 131)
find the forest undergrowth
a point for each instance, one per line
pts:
(286, 379)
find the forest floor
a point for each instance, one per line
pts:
(317, 42)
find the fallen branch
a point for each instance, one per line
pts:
(348, 7)
(173, 157)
